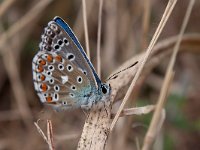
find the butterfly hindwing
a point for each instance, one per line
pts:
(54, 82)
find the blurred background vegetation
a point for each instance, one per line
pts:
(127, 27)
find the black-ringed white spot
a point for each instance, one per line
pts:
(69, 68)
(56, 88)
(64, 102)
(56, 96)
(49, 73)
(60, 42)
(51, 81)
(56, 47)
(79, 79)
(51, 68)
(60, 67)
(66, 41)
(85, 72)
(70, 56)
(73, 87)
(71, 95)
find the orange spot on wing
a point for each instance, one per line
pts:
(49, 58)
(58, 58)
(40, 68)
(49, 99)
(43, 87)
(42, 62)
(42, 77)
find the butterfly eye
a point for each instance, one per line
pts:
(105, 89)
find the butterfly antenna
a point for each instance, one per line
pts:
(115, 75)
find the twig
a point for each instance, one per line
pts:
(49, 138)
(137, 110)
(99, 38)
(50, 135)
(161, 25)
(152, 131)
(41, 132)
(86, 28)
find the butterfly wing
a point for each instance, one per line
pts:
(63, 75)
(69, 32)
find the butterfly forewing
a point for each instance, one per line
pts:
(62, 43)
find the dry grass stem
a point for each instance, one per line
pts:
(5, 6)
(145, 23)
(23, 22)
(152, 131)
(138, 110)
(50, 135)
(161, 25)
(60, 138)
(110, 35)
(17, 86)
(49, 138)
(41, 132)
(78, 27)
(183, 27)
(86, 28)
(99, 39)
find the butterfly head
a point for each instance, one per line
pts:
(105, 89)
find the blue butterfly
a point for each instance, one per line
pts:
(63, 76)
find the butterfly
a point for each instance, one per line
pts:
(63, 76)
